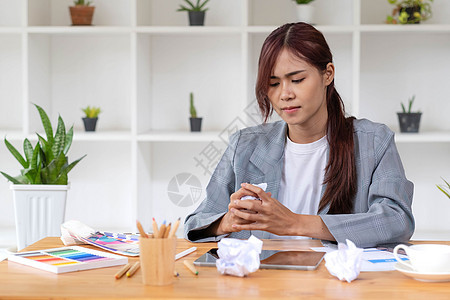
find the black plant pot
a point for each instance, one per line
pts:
(196, 18)
(196, 124)
(409, 122)
(90, 123)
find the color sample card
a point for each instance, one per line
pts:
(68, 259)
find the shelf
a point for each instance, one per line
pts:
(8, 30)
(423, 137)
(322, 28)
(188, 29)
(376, 28)
(11, 135)
(413, 28)
(205, 136)
(97, 136)
(79, 29)
(179, 136)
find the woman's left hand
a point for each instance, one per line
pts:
(271, 215)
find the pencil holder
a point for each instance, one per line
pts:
(157, 258)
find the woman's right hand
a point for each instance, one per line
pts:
(225, 224)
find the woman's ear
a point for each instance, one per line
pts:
(329, 74)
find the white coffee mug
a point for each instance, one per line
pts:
(426, 258)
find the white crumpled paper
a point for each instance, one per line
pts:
(75, 227)
(263, 186)
(238, 257)
(344, 263)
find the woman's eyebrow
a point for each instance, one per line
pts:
(288, 74)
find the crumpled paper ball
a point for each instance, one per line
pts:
(239, 257)
(344, 263)
(263, 186)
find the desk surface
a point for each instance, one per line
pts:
(20, 281)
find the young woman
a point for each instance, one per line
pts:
(328, 176)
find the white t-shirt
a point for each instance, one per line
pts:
(302, 178)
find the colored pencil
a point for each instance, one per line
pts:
(141, 229)
(162, 230)
(133, 269)
(155, 228)
(122, 271)
(166, 233)
(185, 252)
(191, 267)
(174, 228)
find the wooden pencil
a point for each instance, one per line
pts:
(174, 228)
(133, 269)
(122, 271)
(141, 229)
(191, 267)
(166, 233)
(162, 230)
(155, 228)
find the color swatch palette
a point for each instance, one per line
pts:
(68, 259)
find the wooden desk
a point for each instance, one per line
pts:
(18, 281)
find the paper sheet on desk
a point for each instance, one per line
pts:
(373, 259)
(75, 232)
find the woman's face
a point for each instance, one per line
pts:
(297, 92)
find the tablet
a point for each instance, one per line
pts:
(273, 259)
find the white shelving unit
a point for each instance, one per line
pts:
(139, 62)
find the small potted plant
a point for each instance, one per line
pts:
(409, 121)
(82, 12)
(90, 120)
(305, 11)
(40, 191)
(196, 12)
(445, 188)
(409, 11)
(196, 123)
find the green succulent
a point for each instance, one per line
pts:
(445, 188)
(47, 162)
(91, 112)
(82, 2)
(410, 103)
(192, 109)
(303, 1)
(198, 6)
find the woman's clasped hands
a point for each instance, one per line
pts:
(266, 214)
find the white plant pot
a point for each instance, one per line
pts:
(305, 13)
(39, 211)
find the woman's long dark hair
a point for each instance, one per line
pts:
(308, 44)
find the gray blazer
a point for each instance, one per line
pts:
(382, 204)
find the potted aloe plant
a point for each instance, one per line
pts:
(82, 12)
(91, 117)
(305, 11)
(409, 11)
(40, 190)
(196, 122)
(196, 12)
(409, 121)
